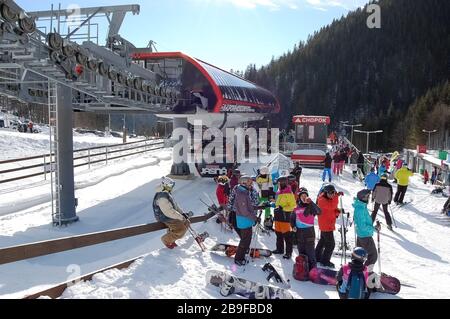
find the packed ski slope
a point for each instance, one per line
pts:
(121, 195)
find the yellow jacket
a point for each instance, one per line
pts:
(285, 200)
(403, 176)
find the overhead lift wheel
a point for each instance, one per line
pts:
(103, 68)
(6, 27)
(68, 50)
(137, 84)
(92, 65)
(122, 78)
(55, 57)
(8, 14)
(55, 41)
(81, 58)
(112, 74)
(27, 25)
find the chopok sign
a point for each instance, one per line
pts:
(311, 120)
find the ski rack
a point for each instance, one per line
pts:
(101, 78)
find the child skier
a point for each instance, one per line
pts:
(352, 278)
(264, 181)
(285, 205)
(364, 227)
(303, 226)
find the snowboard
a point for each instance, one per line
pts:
(230, 251)
(323, 276)
(232, 285)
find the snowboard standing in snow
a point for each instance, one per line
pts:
(232, 285)
(230, 251)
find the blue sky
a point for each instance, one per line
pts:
(228, 33)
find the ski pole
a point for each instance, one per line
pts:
(393, 218)
(379, 249)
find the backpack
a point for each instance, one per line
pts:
(301, 268)
(356, 285)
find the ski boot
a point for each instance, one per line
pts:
(227, 287)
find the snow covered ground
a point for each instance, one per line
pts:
(121, 194)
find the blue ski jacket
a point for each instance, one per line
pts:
(362, 219)
(372, 179)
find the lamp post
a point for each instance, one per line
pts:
(368, 134)
(429, 136)
(353, 126)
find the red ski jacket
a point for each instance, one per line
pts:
(330, 211)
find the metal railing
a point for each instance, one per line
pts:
(289, 148)
(44, 164)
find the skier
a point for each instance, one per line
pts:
(244, 201)
(336, 162)
(343, 159)
(285, 205)
(264, 181)
(303, 226)
(327, 170)
(234, 180)
(328, 203)
(382, 195)
(222, 194)
(354, 163)
(382, 169)
(371, 179)
(433, 176)
(364, 227)
(426, 177)
(297, 172)
(352, 278)
(361, 161)
(169, 213)
(402, 177)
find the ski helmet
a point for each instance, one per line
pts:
(244, 179)
(167, 184)
(364, 195)
(302, 191)
(264, 170)
(359, 255)
(329, 189)
(223, 180)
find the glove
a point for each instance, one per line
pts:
(294, 229)
(188, 215)
(378, 227)
(340, 194)
(258, 221)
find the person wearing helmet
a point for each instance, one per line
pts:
(351, 280)
(303, 226)
(371, 179)
(285, 205)
(264, 181)
(234, 180)
(328, 203)
(223, 190)
(382, 195)
(364, 227)
(244, 202)
(327, 170)
(169, 213)
(402, 176)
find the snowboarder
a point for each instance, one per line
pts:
(285, 205)
(402, 177)
(364, 227)
(222, 194)
(244, 201)
(327, 161)
(352, 278)
(371, 179)
(169, 213)
(328, 203)
(234, 180)
(303, 226)
(382, 196)
(264, 181)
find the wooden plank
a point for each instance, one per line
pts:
(27, 251)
